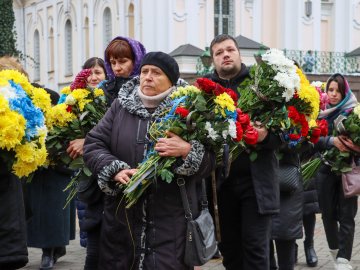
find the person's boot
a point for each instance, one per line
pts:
(296, 253)
(343, 264)
(59, 252)
(310, 254)
(47, 259)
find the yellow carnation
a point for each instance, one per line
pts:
(4, 105)
(41, 99)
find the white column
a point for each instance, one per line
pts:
(340, 26)
(56, 48)
(80, 40)
(45, 79)
(91, 28)
(290, 27)
(192, 22)
(257, 20)
(209, 21)
(316, 11)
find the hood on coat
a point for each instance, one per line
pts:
(139, 52)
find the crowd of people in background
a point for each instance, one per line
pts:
(257, 219)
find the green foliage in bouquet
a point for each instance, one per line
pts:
(78, 111)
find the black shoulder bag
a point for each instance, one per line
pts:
(200, 234)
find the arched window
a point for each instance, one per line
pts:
(37, 56)
(51, 50)
(107, 26)
(87, 38)
(131, 21)
(224, 17)
(68, 48)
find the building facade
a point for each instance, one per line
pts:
(61, 34)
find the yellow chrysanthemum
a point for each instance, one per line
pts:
(12, 129)
(309, 94)
(41, 99)
(59, 116)
(25, 152)
(80, 95)
(66, 90)
(98, 92)
(224, 102)
(4, 105)
(18, 78)
(312, 123)
(22, 169)
(4, 82)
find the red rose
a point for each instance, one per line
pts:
(239, 132)
(182, 112)
(294, 137)
(218, 90)
(251, 135)
(244, 119)
(314, 140)
(69, 108)
(315, 135)
(205, 85)
(316, 132)
(323, 125)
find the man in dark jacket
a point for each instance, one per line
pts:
(250, 194)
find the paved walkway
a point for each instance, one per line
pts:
(74, 259)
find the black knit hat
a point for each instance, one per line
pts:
(165, 62)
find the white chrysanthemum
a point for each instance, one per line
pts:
(288, 94)
(357, 110)
(225, 133)
(232, 129)
(70, 100)
(7, 92)
(277, 59)
(212, 133)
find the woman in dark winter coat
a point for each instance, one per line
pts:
(122, 62)
(151, 234)
(287, 225)
(338, 212)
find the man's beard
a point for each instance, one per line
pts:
(228, 72)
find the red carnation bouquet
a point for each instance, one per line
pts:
(206, 113)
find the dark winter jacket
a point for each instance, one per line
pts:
(287, 225)
(93, 212)
(263, 170)
(51, 225)
(155, 226)
(13, 249)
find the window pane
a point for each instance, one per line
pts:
(225, 7)
(225, 26)
(216, 26)
(217, 7)
(68, 48)
(37, 56)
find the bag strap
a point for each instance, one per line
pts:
(204, 202)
